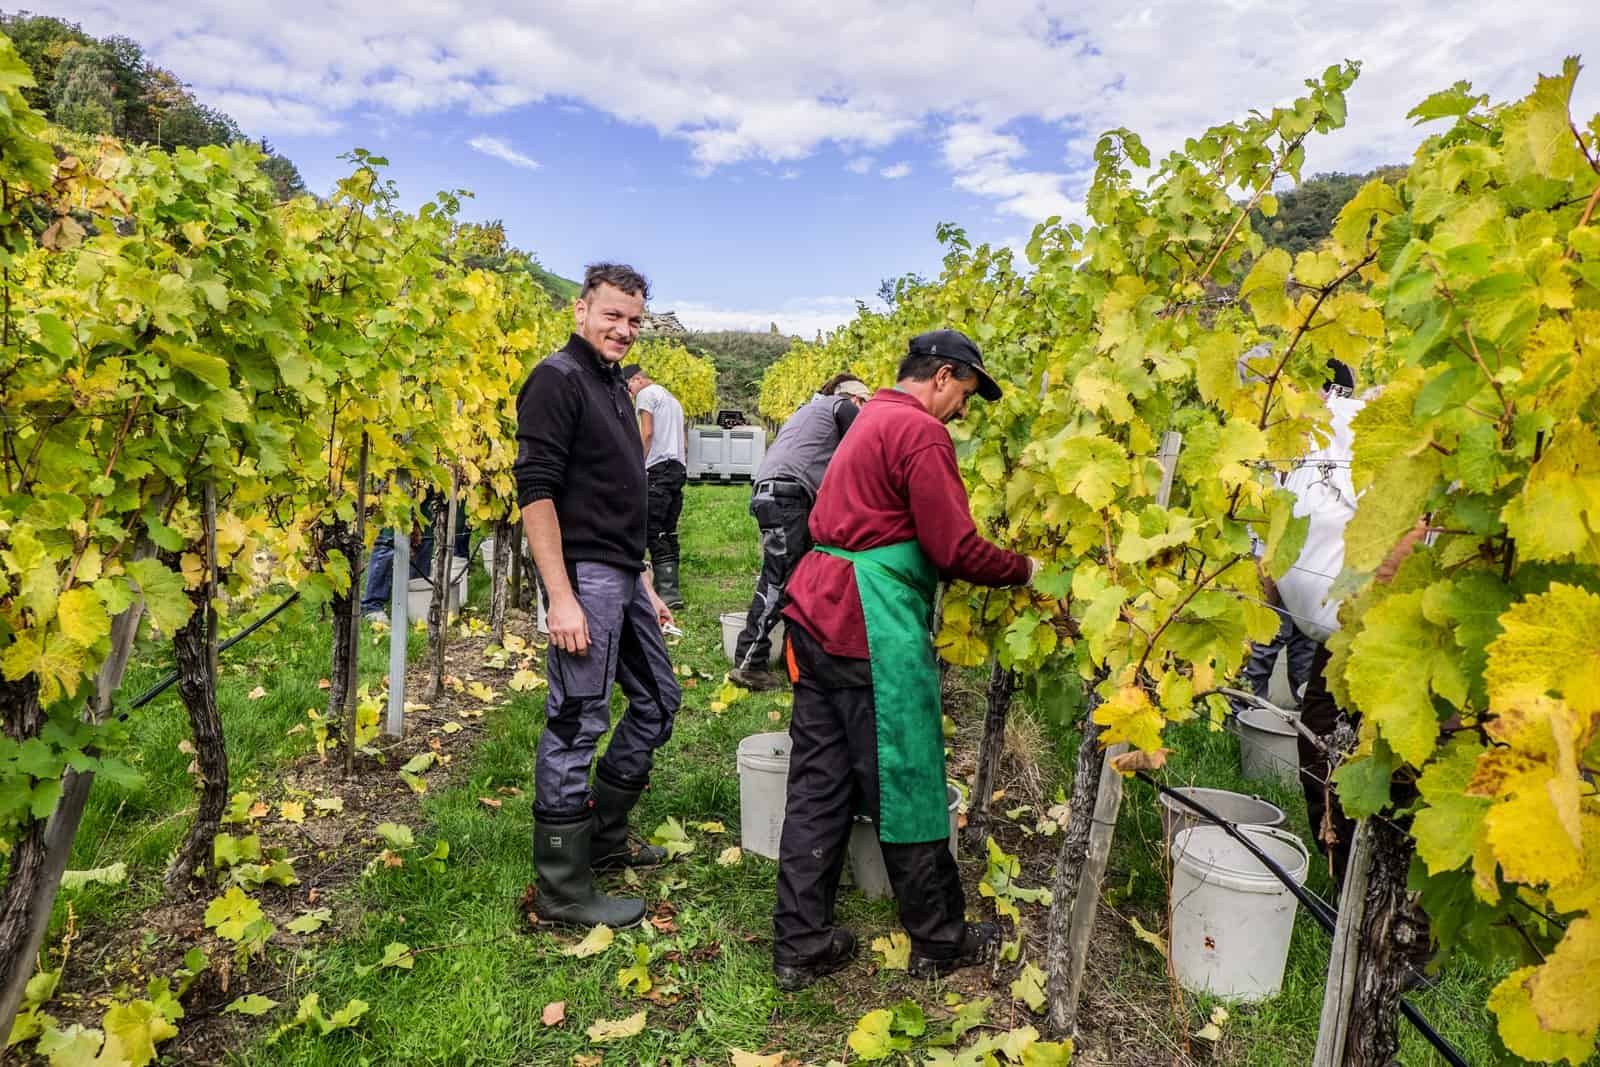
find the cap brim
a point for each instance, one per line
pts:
(988, 388)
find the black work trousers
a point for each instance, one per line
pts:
(833, 773)
(782, 511)
(664, 499)
(1320, 715)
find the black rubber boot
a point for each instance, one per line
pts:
(801, 973)
(666, 572)
(561, 850)
(609, 849)
(978, 944)
(758, 681)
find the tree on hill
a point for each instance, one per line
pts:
(1306, 213)
(107, 86)
(741, 357)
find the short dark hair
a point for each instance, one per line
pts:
(832, 384)
(630, 370)
(618, 276)
(919, 368)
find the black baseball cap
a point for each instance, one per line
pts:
(1340, 374)
(957, 346)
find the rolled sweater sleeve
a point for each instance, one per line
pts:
(548, 409)
(943, 520)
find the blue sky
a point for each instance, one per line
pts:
(774, 163)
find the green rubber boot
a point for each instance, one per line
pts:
(561, 851)
(609, 848)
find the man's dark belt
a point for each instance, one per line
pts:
(782, 487)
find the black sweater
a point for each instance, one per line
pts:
(578, 445)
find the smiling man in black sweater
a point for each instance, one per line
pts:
(581, 487)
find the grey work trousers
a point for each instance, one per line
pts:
(626, 647)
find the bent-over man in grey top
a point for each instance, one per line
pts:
(786, 484)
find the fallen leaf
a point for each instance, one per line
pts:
(328, 805)
(670, 836)
(292, 811)
(555, 1013)
(524, 681)
(451, 728)
(580, 1060)
(1149, 937)
(257, 693)
(730, 857)
(324, 684)
(391, 858)
(253, 1004)
(1029, 987)
(259, 810)
(491, 802)
(895, 949)
(509, 791)
(595, 942)
(741, 1058)
(616, 1029)
(1139, 760)
(711, 827)
(186, 747)
(775, 716)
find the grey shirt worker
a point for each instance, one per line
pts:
(785, 487)
(578, 446)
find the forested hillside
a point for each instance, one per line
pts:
(741, 358)
(1307, 212)
(107, 85)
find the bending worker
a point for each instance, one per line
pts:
(786, 484)
(891, 520)
(581, 487)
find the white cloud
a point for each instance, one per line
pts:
(788, 174)
(802, 316)
(501, 149)
(897, 170)
(1013, 92)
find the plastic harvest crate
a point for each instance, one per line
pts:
(716, 454)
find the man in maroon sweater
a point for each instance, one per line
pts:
(891, 519)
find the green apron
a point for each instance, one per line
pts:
(897, 584)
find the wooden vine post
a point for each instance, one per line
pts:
(444, 537)
(194, 648)
(1086, 841)
(1338, 996)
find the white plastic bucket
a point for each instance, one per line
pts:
(733, 626)
(763, 783)
(1231, 917)
(419, 591)
(866, 854)
(1267, 746)
(1234, 807)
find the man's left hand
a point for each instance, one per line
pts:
(663, 613)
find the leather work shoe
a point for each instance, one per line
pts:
(759, 681)
(978, 944)
(793, 977)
